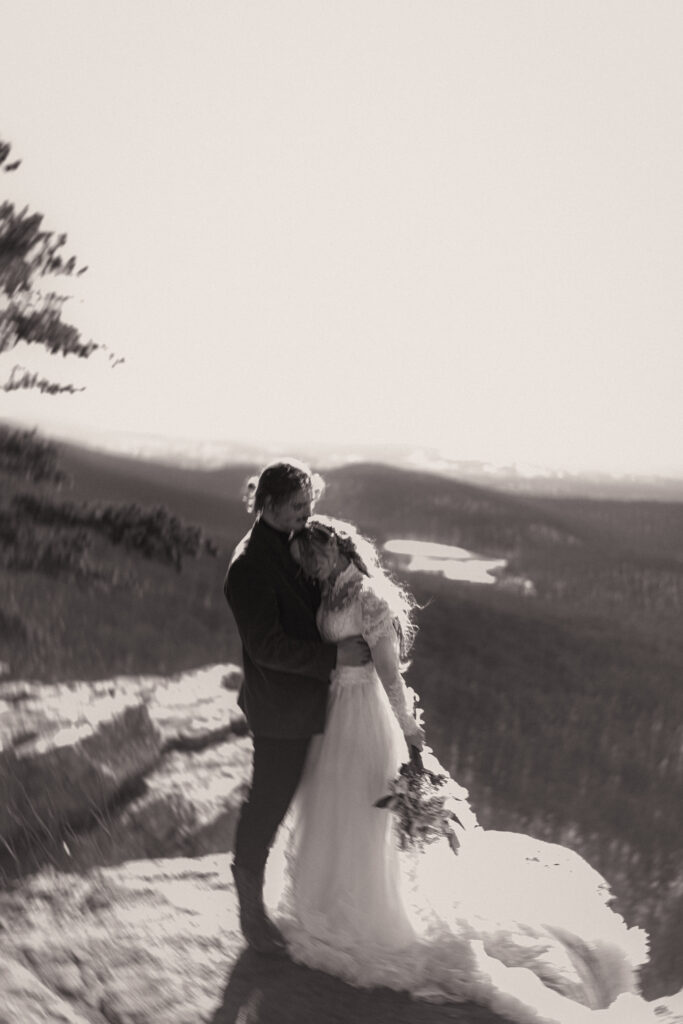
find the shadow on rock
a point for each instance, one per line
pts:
(270, 990)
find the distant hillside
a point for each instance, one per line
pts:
(419, 505)
(618, 559)
(103, 567)
(614, 558)
(210, 498)
(514, 478)
(388, 501)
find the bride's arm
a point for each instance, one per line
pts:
(379, 633)
(385, 656)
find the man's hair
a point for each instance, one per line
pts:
(278, 481)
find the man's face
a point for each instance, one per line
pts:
(293, 513)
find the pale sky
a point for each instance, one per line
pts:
(455, 224)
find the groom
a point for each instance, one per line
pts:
(286, 675)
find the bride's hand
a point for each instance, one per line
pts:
(414, 735)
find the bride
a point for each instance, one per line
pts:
(520, 925)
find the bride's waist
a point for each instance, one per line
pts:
(352, 675)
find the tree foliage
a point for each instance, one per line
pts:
(41, 534)
(152, 532)
(32, 260)
(23, 454)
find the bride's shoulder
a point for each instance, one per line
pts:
(375, 610)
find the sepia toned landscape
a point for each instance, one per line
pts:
(558, 706)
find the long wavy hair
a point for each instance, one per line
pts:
(321, 531)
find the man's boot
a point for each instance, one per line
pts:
(261, 934)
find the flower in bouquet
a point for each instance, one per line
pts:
(424, 803)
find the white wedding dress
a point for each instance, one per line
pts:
(517, 924)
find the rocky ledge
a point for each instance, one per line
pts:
(118, 803)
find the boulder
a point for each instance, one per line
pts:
(58, 771)
(188, 807)
(97, 767)
(198, 708)
(190, 710)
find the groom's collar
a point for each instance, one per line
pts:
(267, 539)
(279, 535)
(275, 541)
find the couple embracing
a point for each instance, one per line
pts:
(513, 923)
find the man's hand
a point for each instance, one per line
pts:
(353, 652)
(414, 735)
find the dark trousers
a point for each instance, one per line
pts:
(278, 765)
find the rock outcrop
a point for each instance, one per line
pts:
(117, 904)
(56, 772)
(157, 942)
(120, 803)
(71, 755)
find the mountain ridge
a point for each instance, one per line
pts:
(523, 478)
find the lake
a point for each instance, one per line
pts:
(452, 562)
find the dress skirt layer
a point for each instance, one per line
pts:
(516, 924)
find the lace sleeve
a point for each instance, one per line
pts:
(376, 617)
(379, 632)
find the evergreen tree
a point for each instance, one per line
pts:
(32, 260)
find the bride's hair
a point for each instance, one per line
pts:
(278, 481)
(320, 531)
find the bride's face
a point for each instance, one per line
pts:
(317, 560)
(325, 560)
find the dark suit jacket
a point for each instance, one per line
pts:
(286, 665)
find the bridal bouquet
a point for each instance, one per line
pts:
(423, 802)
